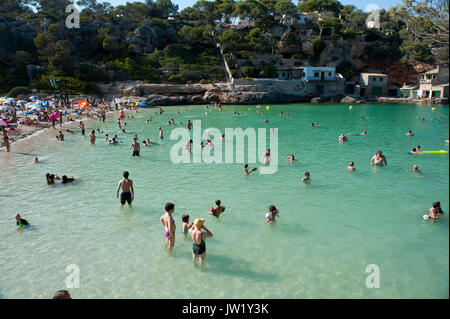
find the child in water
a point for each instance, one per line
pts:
(20, 221)
(306, 178)
(273, 212)
(185, 227)
(216, 211)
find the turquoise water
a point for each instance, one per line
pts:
(328, 231)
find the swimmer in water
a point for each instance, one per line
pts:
(343, 138)
(185, 226)
(306, 178)
(160, 132)
(351, 166)
(409, 133)
(415, 169)
(127, 194)
(291, 159)
(317, 124)
(169, 225)
(36, 160)
(216, 211)
(20, 221)
(188, 146)
(271, 215)
(363, 133)
(247, 172)
(66, 180)
(106, 137)
(378, 159)
(113, 141)
(92, 137)
(266, 156)
(61, 136)
(136, 147)
(202, 145)
(82, 128)
(436, 211)
(69, 131)
(266, 120)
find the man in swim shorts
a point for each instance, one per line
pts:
(127, 190)
(378, 159)
(136, 147)
(169, 225)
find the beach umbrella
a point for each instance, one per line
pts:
(22, 101)
(84, 104)
(54, 116)
(3, 122)
(142, 104)
(34, 97)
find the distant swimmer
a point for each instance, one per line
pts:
(69, 131)
(281, 114)
(189, 125)
(216, 211)
(82, 128)
(106, 137)
(61, 136)
(317, 124)
(209, 143)
(415, 169)
(169, 225)
(436, 211)
(202, 145)
(66, 180)
(266, 120)
(343, 138)
(136, 147)
(362, 118)
(351, 166)
(92, 137)
(409, 133)
(160, 132)
(364, 133)
(266, 156)
(291, 159)
(114, 141)
(127, 194)
(188, 146)
(198, 238)
(20, 221)
(378, 159)
(272, 214)
(306, 178)
(247, 171)
(36, 160)
(414, 151)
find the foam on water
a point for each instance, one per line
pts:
(328, 232)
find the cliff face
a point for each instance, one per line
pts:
(15, 36)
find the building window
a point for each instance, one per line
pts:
(374, 79)
(329, 73)
(381, 79)
(316, 74)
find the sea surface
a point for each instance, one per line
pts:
(329, 232)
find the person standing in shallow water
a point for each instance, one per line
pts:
(82, 128)
(6, 140)
(127, 190)
(169, 225)
(92, 137)
(198, 238)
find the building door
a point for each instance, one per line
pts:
(437, 94)
(322, 76)
(377, 90)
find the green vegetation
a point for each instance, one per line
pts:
(152, 41)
